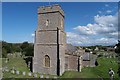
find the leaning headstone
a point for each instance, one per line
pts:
(6, 61)
(3, 69)
(24, 73)
(47, 76)
(35, 75)
(55, 77)
(6, 67)
(29, 74)
(29, 64)
(110, 57)
(7, 70)
(13, 71)
(41, 76)
(17, 72)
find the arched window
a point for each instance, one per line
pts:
(47, 61)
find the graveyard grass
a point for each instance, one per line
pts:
(0, 67)
(88, 72)
(100, 71)
(19, 64)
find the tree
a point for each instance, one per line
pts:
(29, 50)
(24, 45)
(7, 46)
(4, 53)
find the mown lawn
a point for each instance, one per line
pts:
(18, 63)
(0, 67)
(88, 72)
(100, 71)
(0, 62)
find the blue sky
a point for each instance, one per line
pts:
(91, 23)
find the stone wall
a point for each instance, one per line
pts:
(71, 62)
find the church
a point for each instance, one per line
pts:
(52, 55)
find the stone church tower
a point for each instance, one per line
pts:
(50, 40)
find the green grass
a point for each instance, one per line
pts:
(104, 65)
(18, 63)
(88, 72)
(95, 72)
(0, 67)
(0, 62)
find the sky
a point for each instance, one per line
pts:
(60, 0)
(86, 23)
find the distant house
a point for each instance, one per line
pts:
(96, 49)
(110, 49)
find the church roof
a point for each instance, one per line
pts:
(70, 49)
(86, 56)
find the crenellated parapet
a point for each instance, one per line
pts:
(50, 9)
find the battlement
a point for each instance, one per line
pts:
(49, 9)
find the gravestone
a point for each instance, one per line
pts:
(3, 69)
(6, 67)
(29, 64)
(13, 71)
(6, 61)
(110, 57)
(24, 73)
(47, 76)
(35, 75)
(13, 68)
(17, 72)
(41, 76)
(29, 74)
(7, 70)
(55, 77)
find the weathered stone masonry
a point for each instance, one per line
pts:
(51, 53)
(49, 36)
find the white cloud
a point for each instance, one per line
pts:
(103, 32)
(86, 30)
(33, 34)
(77, 39)
(106, 5)
(108, 11)
(106, 41)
